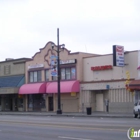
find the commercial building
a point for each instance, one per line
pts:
(87, 80)
(12, 76)
(40, 90)
(104, 85)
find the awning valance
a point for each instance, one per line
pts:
(65, 87)
(34, 88)
(134, 85)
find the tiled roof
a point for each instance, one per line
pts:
(12, 81)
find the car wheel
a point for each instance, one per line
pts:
(135, 115)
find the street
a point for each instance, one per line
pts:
(13, 127)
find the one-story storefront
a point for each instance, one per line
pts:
(104, 84)
(12, 77)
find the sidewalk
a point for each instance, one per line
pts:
(94, 114)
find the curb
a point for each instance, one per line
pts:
(69, 115)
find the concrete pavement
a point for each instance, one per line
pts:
(94, 114)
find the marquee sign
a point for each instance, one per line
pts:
(71, 61)
(105, 67)
(118, 55)
(36, 66)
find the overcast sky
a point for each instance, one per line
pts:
(84, 25)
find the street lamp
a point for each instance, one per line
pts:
(59, 49)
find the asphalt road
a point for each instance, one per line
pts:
(64, 128)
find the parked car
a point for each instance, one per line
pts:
(136, 110)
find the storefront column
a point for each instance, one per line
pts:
(54, 97)
(46, 102)
(26, 103)
(85, 100)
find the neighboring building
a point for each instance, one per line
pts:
(135, 84)
(40, 90)
(104, 83)
(12, 76)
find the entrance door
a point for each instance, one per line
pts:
(36, 102)
(50, 101)
(99, 102)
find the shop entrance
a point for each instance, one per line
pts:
(99, 102)
(9, 102)
(50, 103)
(36, 102)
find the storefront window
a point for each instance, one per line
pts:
(47, 75)
(63, 73)
(20, 102)
(42, 101)
(31, 76)
(73, 73)
(30, 101)
(68, 73)
(36, 101)
(54, 78)
(38, 76)
(35, 76)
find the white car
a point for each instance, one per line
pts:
(136, 110)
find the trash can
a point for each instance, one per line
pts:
(88, 110)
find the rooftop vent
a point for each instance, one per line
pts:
(8, 59)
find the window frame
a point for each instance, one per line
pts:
(48, 74)
(69, 67)
(39, 79)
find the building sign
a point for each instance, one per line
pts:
(73, 93)
(105, 67)
(72, 61)
(53, 59)
(36, 66)
(118, 55)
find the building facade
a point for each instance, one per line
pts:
(104, 85)
(12, 76)
(40, 90)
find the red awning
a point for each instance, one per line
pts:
(34, 88)
(65, 87)
(134, 85)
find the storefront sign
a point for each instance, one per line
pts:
(3, 90)
(20, 96)
(105, 67)
(118, 55)
(53, 59)
(35, 66)
(72, 61)
(73, 93)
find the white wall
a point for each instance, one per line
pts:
(131, 60)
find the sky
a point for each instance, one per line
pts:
(91, 26)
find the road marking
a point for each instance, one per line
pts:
(72, 138)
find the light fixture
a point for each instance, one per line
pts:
(52, 46)
(62, 47)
